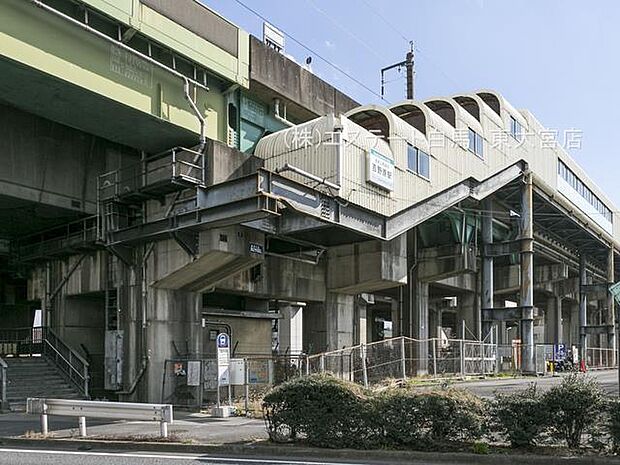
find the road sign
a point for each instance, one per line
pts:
(223, 359)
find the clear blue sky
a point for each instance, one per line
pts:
(557, 58)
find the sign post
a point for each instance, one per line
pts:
(223, 365)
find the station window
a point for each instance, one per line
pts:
(578, 185)
(476, 144)
(412, 158)
(418, 161)
(516, 130)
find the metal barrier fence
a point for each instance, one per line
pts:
(600, 358)
(192, 383)
(403, 357)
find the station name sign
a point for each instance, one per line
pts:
(380, 170)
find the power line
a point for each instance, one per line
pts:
(320, 57)
(386, 21)
(408, 40)
(340, 26)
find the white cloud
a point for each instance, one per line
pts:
(329, 44)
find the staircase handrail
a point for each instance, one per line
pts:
(80, 369)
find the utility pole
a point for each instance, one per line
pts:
(408, 64)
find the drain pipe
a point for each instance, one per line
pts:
(278, 116)
(199, 116)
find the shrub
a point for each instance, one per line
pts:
(574, 407)
(613, 425)
(451, 415)
(328, 412)
(398, 420)
(520, 416)
(324, 410)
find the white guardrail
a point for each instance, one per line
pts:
(98, 409)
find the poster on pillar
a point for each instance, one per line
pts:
(223, 359)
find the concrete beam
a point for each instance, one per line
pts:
(507, 278)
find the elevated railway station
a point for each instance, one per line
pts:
(167, 177)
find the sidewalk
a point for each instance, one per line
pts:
(187, 427)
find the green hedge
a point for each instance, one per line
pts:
(327, 412)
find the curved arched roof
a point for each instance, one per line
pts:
(497, 103)
(413, 113)
(383, 121)
(374, 118)
(477, 107)
(444, 108)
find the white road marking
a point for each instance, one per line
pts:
(202, 457)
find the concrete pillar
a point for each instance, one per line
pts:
(339, 311)
(362, 333)
(434, 322)
(611, 309)
(583, 307)
(419, 302)
(527, 277)
(487, 262)
(290, 329)
(574, 323)
(470, 315)
(174, 331)
(553, 320)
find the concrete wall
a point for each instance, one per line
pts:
(274, 75)
(49, 163)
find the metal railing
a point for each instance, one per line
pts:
(76, 235)
(44, 341)
(97, 409)
(157, 174)
(600, 358)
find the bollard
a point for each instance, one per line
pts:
(163, 429)
(44, 424)
(82, 425)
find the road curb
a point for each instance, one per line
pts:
(287, 451)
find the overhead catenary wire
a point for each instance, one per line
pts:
(314, 53)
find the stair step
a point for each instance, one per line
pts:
(36, 377)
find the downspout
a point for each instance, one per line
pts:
(199, 116)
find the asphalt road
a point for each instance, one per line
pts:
(57, 457)
(608, 380)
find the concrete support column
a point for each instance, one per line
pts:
(583, 307)
(339, 313)
(527, 277)
(553, 320)
(290, 329)
(174, 331)
(470, 315)
(574, 324)
(434, 322)
(611, 309)
(362, 333)
(487, 263)
(419, 302)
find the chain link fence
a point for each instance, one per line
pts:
(192, 383)
(404, 357)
